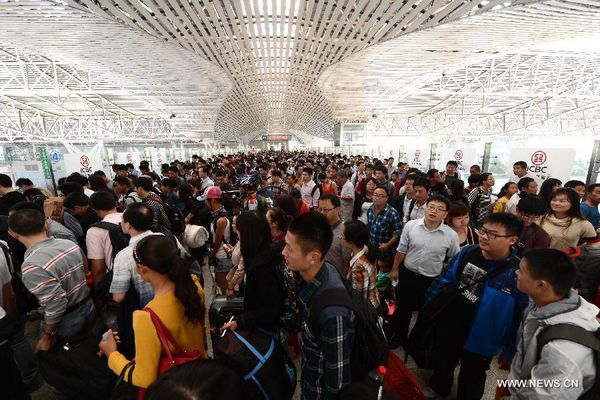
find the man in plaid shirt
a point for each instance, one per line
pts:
(384, 224)
(325, 357)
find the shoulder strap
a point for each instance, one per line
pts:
(104, 225)
(164, 335)
(8, 257)
(569, 332)
(410, 208)
(488, 275)
(329, 297)
(525, 237)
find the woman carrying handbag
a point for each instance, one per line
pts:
(174, 319)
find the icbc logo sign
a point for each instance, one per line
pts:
(85, 165)
(85, 161)
(417, 153)
(129, 158)
(458, 155)
(538, 159)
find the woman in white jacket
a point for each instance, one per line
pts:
(563, 369)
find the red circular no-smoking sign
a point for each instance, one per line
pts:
(458, 155)
(538, 158)
(85, 161)
(417, 153)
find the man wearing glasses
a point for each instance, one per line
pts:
(384, 227)
(484, 318)
(338, 255)
(425, 246)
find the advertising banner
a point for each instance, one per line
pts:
(418, 157)
(83, 163)
(545, 162)
(464, 157)
(158, 157)
(131, 157)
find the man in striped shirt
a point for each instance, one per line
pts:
(53, 270)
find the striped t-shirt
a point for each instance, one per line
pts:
(53, 271)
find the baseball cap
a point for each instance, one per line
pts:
(213, 192)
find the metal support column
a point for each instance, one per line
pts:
(485, 160)
(433, 155)
(594, 168)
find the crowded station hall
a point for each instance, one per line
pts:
(299, 199)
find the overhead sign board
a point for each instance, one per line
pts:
(83, 163)
(545, 162)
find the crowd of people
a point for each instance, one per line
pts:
(283, 228)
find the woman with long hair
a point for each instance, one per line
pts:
(548, 187)
(364, 201)
(278, 221)
(564, 222)
(178, 302)
(288, 204)
(362, 273)
(456, 191)
(458, 220)
(264, 292)
(507, 191)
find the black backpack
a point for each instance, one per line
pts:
(578, 335)
(25, 300)
(174, 215)
(118, 239)
(370, 349)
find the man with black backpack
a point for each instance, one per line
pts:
(341, 338)
(143, 187)
(480, 311)
(559, 342)
(104, 239)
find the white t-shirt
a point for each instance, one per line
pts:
(98, 242)
(347, 205)
(363, 212)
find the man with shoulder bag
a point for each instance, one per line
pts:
(472, 313)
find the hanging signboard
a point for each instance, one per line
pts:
(83, 163)
(545, 162)
(418, 157)
(158, 157)
(46, 165)
(464, 157)
(128, 157)
(179, 154)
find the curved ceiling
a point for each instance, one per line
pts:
(66, 74)
(275, 50)
(526, 69)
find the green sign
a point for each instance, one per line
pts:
(46, 166)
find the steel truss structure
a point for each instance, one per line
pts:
(466, 80)
(68, 75)
(275, 50)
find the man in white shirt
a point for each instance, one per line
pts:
(426, 245)
(310, 195)
(520, 171)
(346, 195)
(203, 173)
(97, 240)
(359, 174)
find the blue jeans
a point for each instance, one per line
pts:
(73, 322)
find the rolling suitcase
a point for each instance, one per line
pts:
(221, 310)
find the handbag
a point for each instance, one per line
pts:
(124, 389)
(423, 339)
(170, 359)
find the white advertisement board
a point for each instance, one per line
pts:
(545, 162)
(83, 163)
(463, 156)
(158, 157)
(128, 157)
(418, 156)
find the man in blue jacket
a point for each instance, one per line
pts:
(484, 319)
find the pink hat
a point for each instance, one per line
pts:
(214, 192)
